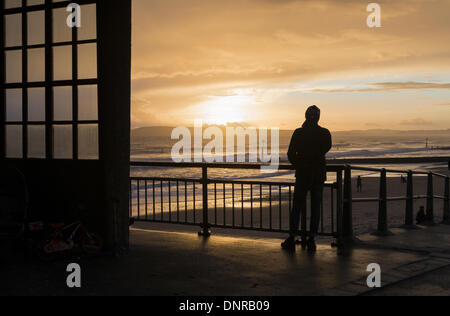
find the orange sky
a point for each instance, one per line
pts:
(264, 61)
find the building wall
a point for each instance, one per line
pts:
(101, 181)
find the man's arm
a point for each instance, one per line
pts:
(292, 152)
(328, 142)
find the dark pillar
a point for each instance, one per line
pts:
(348, 206)
(409, 213)
(383, 229)
(430, 199)
(447, 202)
(205, 232)
(340, 206)
(114, 67)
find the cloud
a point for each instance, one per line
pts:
(390, 86)
(416, 122)
(187, 50)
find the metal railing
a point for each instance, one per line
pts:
(265, 205)
(221, 203)
(409, 198)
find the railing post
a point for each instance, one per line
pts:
(409, 216)
(430, 199)
(340, 200)
(382, 208)
(447, 202)
(348, 206)
(205, 232)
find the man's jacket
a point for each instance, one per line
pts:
(307, 151)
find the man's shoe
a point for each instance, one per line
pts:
(311, 245)
(288, 244)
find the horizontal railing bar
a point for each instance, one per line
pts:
(276, 184)
(398, 171)
(389, 161)
(358, 168)
(164, 179)
(283, 184)
(365, 169)
(248, 166)
(440, 175)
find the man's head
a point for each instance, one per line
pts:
(313, 114)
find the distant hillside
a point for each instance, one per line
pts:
(159, 131)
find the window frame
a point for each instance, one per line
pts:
(49, 83)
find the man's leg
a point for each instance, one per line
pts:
(316, 205)
(299, 207)
(294, 216)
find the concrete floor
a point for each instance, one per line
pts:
(175, 261)
(435, 283)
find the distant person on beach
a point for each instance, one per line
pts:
(307, 151)
(359, 184)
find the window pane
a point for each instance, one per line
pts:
(14, 105)
(61, 32)
(14, 147)
(87, 142)
(36, 65)
(36, 28)
(36, 105)
(34, 2)
(13, 30)
(36, 141)
(62, 63)
(88, 29)
(13, 4)
(13, 66)
(87, 61)
(62, 103)
(87, 103)
(62, 142)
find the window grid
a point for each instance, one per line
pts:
(49, 84)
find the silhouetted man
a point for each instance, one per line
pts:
(307, 151)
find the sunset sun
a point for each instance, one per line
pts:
(226, 109)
